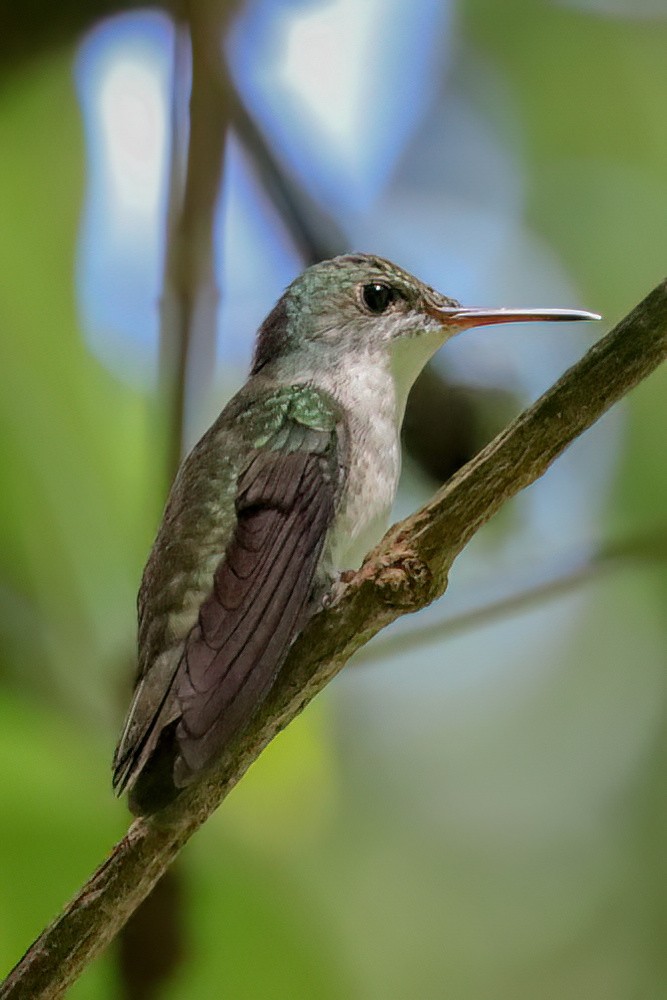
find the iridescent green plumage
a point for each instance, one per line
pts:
(199, 523)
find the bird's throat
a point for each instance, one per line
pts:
(409, 356)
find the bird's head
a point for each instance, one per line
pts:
(363, 305)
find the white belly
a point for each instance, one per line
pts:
(366, 387)
(366, 505)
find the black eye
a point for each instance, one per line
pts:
(378, 297)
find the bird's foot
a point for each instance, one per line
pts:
(337, 588)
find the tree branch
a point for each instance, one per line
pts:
(188, 313)
(313, 230)
(407, 571)
(647, 550)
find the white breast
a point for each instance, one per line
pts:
(366, 390)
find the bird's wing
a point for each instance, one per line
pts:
(261, 589)
(285, 503)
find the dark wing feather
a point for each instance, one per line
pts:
(285, 505)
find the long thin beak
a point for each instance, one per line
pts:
(460, 318)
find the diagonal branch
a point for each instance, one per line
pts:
(313, 230)
(407, 571)
(646, 550)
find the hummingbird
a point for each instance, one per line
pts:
(291, 486)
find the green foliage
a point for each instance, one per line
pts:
(77, 470)
(586, 91)
(61, 821)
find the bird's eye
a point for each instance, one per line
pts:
(378, 297)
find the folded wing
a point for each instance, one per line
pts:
(285, 505)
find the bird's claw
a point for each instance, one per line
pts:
(337, 588)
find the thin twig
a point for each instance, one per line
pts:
(406, 572)
(187, 338)
(190, 295)
(315, 234)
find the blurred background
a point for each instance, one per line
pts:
(475, 809)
